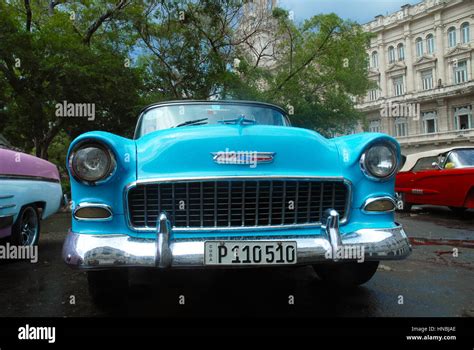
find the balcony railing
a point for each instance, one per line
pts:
(441, 137)
(418, 96)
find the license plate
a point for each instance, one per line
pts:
(240, 253)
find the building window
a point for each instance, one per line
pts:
(401, 127)
(401, 52)
(427, 79)
(398, 86)
(373, 94)
(460, 72)
(452, 37)
(374, 126)
(463, 118)
(419, 47)
(391, 54)
(375, 59)
(430, 123)
(430, 43)
(465, 35)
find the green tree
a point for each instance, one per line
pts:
(189, 48)
(321, 68)
(52, 52)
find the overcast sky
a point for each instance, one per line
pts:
(362, 11)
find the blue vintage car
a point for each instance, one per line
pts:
(206, 184)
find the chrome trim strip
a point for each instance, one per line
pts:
(375, 199)
(234, 177)
(93, 205)
(7, 196)
(127, 188)
(27, 177)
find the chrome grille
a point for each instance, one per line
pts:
(224, 203)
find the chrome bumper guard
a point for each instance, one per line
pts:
(104, 251)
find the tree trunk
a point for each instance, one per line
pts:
(44, 151)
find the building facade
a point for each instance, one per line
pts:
(258, 27)
(421, 60)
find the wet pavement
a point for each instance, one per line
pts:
(431, 282)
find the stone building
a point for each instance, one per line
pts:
(421, 58)
(258, 27)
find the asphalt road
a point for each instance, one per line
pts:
(431, 282)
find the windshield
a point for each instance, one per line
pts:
(460, 159)
(188, 115)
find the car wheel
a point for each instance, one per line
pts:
(458, 210)
(26, 230)
(107, 285)
(402, 205)
(348, 274)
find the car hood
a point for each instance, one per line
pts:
(188, 152)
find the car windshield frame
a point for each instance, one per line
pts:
(458, 164)
(424, 159)
(138, 129)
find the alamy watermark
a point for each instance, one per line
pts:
(400, 110)
(37, 333)
(347, 252)
(76, 110)
(237, 157)
(11, 252)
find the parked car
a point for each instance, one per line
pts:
(206, 184)
(30, 191)
(440, 177)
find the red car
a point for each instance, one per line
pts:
(440, 177)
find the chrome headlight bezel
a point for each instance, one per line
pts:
(366, 169)
(110, 167)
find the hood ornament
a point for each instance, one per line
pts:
(241, 120)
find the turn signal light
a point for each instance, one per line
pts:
(92, 213)
(380, 205)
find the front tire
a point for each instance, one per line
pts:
(107, 285)
(348, 274)
(26, 230)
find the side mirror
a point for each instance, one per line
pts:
(435, 165)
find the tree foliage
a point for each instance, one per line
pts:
(61, 55)
(122, 54)
(321, 70)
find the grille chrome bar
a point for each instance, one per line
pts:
(229, 211)
(215, 203)
(308, 204)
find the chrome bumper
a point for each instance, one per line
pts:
(103, 251)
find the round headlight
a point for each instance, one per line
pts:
(91, 162)
(379, 161)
